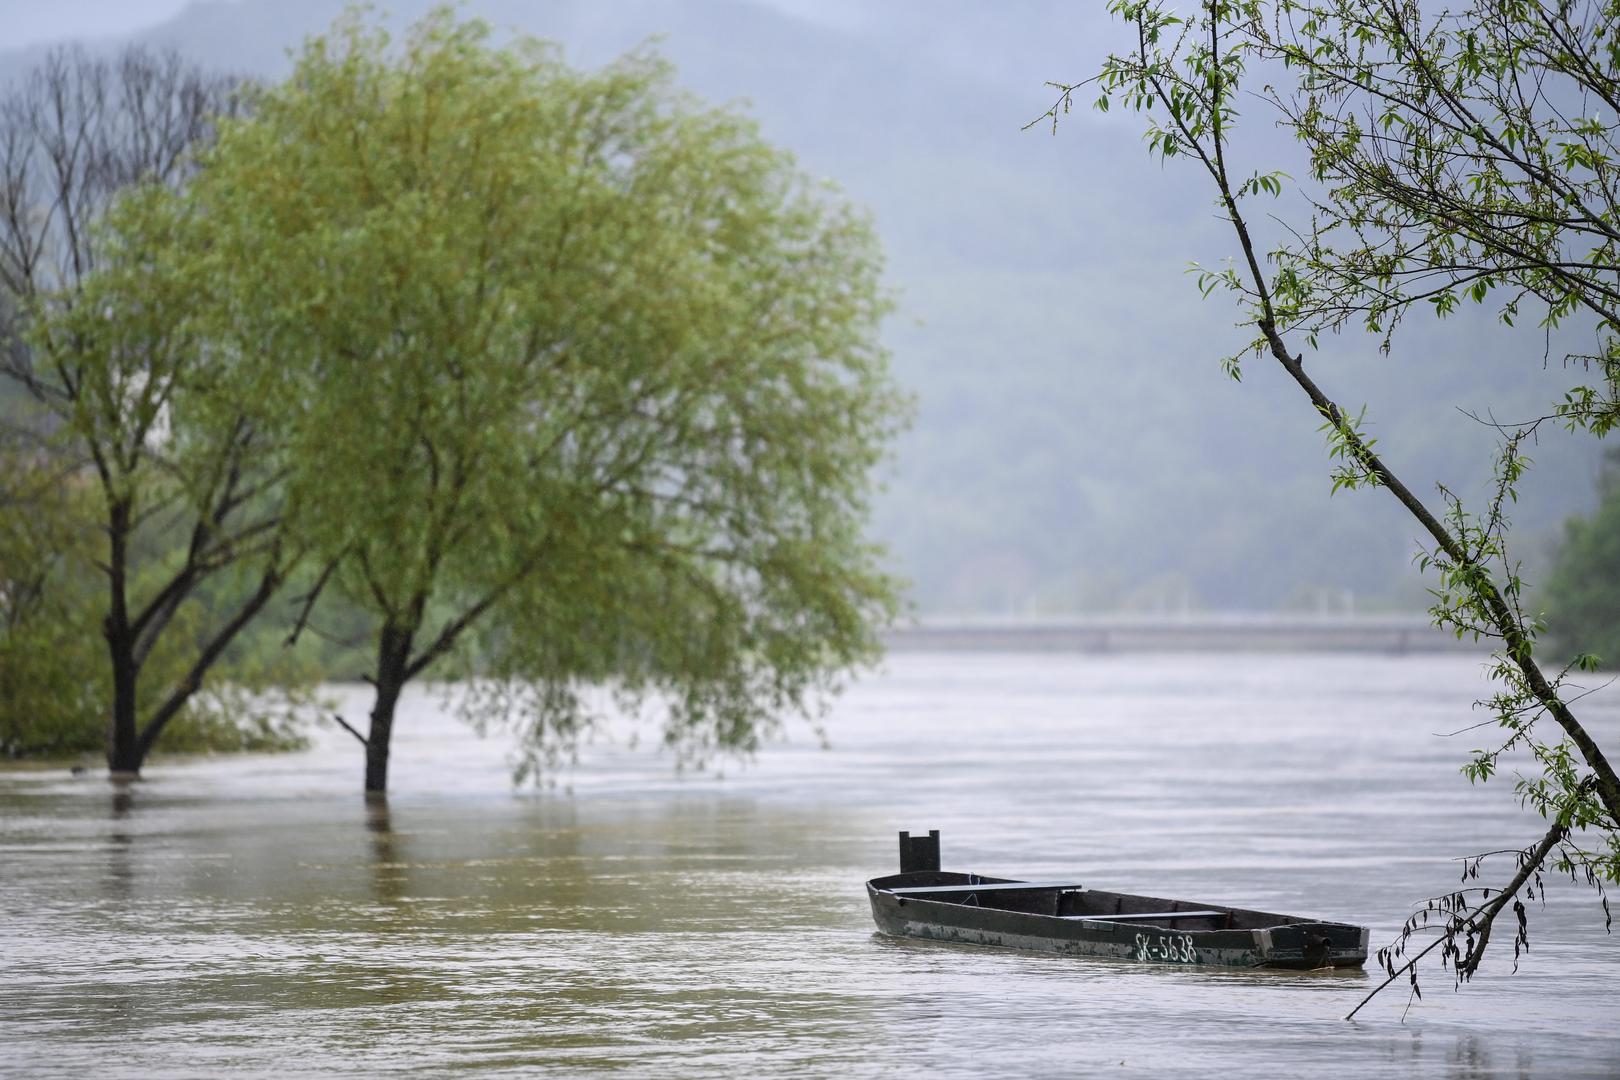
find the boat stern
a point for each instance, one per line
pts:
(1306, 946)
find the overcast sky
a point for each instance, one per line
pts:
(34, 22)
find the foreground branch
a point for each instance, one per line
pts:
(1479, 922)
(1410, 965)
(1202, 130)
(1532, 862)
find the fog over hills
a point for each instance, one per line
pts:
(1077, 446)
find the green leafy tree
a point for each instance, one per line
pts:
(112, 380)
(1453, 156)
(44, 705)
(51, 610)
(577, 376)
(1583, 588)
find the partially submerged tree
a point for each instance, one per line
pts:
(568, 363)
(1454, 156)
(124, 393)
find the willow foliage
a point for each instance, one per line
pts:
(579, 377)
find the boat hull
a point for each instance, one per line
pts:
(1286, 942)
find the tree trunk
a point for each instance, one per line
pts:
(124, 752)
(393, 655)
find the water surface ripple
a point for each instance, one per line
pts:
(252, 917)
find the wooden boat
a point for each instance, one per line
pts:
(1066, 917)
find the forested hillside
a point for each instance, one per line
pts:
(1076, 446)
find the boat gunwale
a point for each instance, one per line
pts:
(1246, 937)
(1265, 920)
(1272, 940)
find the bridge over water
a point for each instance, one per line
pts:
(1215, 632)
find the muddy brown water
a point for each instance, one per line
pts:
(253, 917)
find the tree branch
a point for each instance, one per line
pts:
(344, 724)
(310, 598)
(193, 680)
(1480, 921)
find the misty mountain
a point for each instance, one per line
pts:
(1077, 445)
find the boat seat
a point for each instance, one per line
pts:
(1146, 916)
(999, 886)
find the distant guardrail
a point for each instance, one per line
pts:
(1395, 634)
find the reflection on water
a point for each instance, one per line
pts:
(119, 881)
(257, 917)
(388, 884)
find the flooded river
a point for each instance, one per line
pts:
(252, 917)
